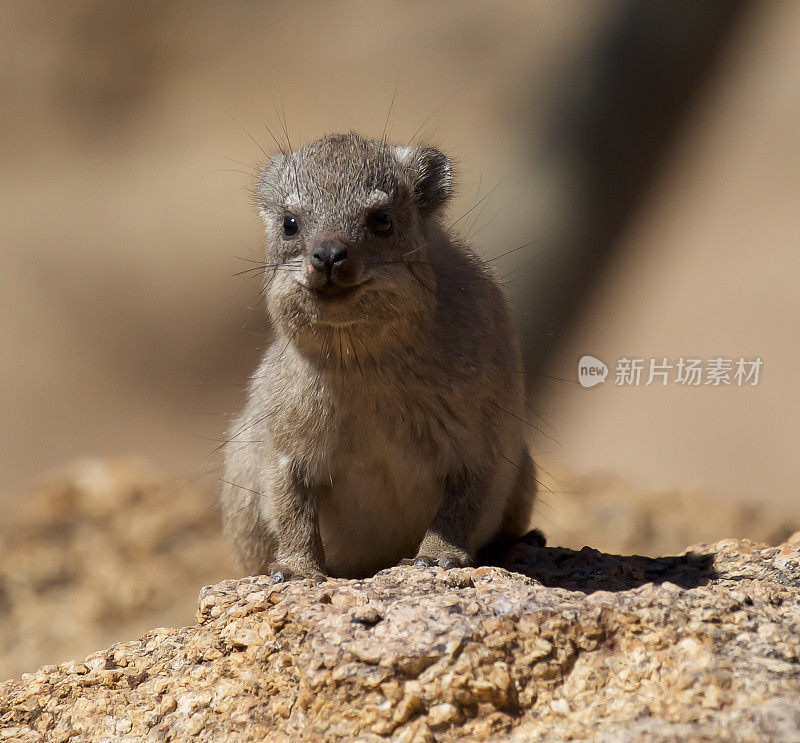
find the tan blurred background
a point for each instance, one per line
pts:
(709, 267)
(124, 206)
(123, 210)
(126, 133)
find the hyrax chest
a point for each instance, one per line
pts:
(378, 482)
(380, 496)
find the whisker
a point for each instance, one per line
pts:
(391, 106)
(249, 166)
(412, 251)
(522, 420)
(395, 262)
(285, 127)
(534, 478)
(364, 346)
(433, 113)
(472, 233)
(513, 250)
(252, 138)
(355, 354)
(480, 201)
(255, 269)
(280, 147)
(418, 280)
(240, 432)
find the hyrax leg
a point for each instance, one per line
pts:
(449, 540)
(298, 549)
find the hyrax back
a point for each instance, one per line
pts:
(383, 422)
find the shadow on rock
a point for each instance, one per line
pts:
(589, 570)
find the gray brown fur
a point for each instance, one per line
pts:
(382, 424)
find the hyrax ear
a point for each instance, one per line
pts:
(431, 175)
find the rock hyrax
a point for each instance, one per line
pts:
(383, 423)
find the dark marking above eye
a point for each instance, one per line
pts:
(380, 223)
(290, 225)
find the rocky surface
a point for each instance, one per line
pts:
(102, 551)
(562, 645)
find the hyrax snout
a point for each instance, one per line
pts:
(330, 266)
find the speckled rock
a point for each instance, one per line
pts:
(563, 645)
(83, 560)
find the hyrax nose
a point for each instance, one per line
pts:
(327, 255)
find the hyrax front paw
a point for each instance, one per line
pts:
(282, 573)
(435, 550)
(447, 559)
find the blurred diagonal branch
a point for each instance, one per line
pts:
(625, 99)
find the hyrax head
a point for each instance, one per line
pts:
(348, 222)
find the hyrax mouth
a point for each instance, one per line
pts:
(332, 293)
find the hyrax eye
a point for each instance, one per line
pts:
(290, 226)
(380, 224)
